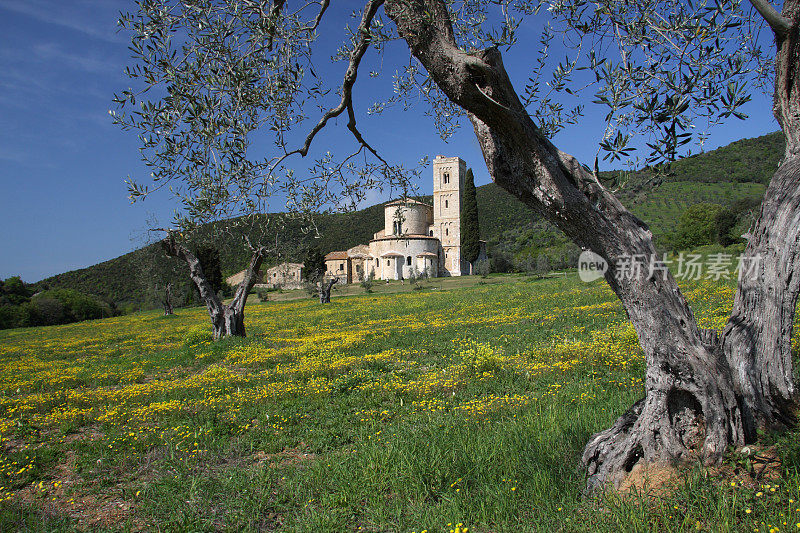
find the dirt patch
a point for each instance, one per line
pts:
(64, 495)
(67, 494)
(748, 467)
(286, 457)
(653, 479)
(83, 433)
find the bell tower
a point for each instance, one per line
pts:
(448, 182)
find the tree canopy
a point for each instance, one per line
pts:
(208, 78)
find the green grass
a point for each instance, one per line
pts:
(399, 411)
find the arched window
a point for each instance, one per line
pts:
(408, 260)
(446, 178)
(446, 204)
(446, 231)
(431, 232)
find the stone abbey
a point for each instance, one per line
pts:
(417, 238)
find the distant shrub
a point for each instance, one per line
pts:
(500, 262)
(10, 316)
(709, 249)
(706, 223)
(737, 249)
(366, 284)
(227, 290)
(482, 268)
(263, 293)
(77, 306)
(14, 291)
(542, 265)
(49, 310)
(197, 335)
(55, 306)
(314, 265)
(311, 288)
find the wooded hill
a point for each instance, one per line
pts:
(516, 237)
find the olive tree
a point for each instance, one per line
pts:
(210, 74)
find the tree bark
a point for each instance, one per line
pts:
(226, 319)
(168, 309)
(757, 338)
(690, 409)
(325, 290)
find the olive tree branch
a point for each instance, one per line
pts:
(779, 24)
(349, 80)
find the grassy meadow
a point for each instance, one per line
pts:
(439, 410)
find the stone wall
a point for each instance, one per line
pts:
(284, 276)
(395, 258)
(415, 218)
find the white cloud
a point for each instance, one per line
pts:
(90, 64)
(82, 16)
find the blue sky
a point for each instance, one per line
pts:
(63, 163)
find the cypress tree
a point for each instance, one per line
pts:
(470, 230)
(314, 265)
(211, 265)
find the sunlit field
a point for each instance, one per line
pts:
(425, 410)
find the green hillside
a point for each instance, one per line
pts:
(738, 171)
(662, 206)
(734, 173)
(746, 160)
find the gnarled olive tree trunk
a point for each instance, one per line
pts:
(226, 319)
(757, 338)
(325, 290)
(167, 300)
(694, 406)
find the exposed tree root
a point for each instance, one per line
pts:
(665, 429)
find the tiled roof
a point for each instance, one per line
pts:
(336, 256)
(285, 265)
(360, 250)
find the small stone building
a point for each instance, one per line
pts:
(235, 279)
(350, 266)
(284, 276)
(338, 266)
